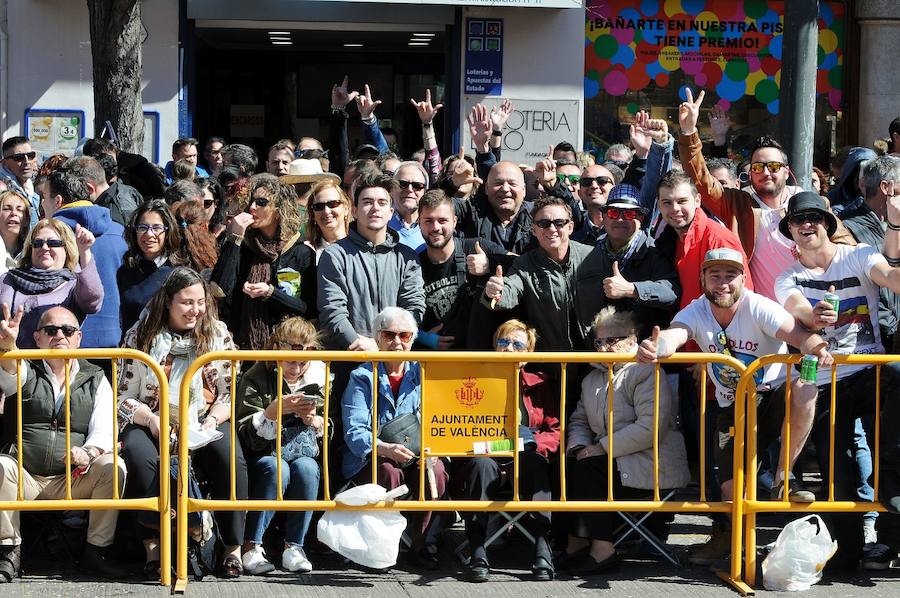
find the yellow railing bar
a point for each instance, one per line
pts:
(373, 455)
(786, 441)
(703, 434)
(423, 458)
(562, 430)
(326, 439)
(19, 456)
(233, 430)
(517, 377)
(876, 452)
(655, 433)
(68, 403)
(737, 477)
(610, 424)
(115, 428)
(279, 415)
(832, 419)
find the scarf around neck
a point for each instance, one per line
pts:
(35, 281)
(255, 329)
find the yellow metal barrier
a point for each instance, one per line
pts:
(159, 504)
(750, 505)
(188, 505)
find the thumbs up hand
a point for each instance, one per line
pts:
(477, 263)
(649, 349)
(494, 287)
(616, 287)
(824, 314)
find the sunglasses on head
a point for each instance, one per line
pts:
(572, 178)
(52, 329)
(156, 229)
(416, 185)
(51, 243)
(622, 213)
(774, 167)
(546, 222)
(332, 203)
(390, 335)
(587, 181)
(21, 157)
(260, 202)
(503, 343)
(803, 218)
(605, 341)
(309, 154)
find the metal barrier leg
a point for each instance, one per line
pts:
(750, 549)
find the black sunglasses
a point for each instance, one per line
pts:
(21, 157)
(811, 217)
(416, 185)
(52, 329)
(51, 243)
(332, 203)
(259, 201)
(587, 181)
(208, 203)
(546, 222)
(309, 154)
(605, 341)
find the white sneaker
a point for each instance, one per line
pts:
(294, 559)
(255, 563)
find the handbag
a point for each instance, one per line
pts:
(404, 429)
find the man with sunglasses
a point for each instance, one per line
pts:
(18, 168)
(737, 322)
(855, 275)
(44, 422)
(412, 181)
(593, 188)
(753, 212)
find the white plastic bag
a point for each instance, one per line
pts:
(370, 538)
(799, 555)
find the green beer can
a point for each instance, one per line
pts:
(809, 367)
(833, 299)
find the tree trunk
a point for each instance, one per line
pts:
(116, 38)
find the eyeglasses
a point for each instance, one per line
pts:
(52, 329)
(309, 154)
(503, 343)
(804, 217)
(153, 229)
(21, 157)
(546, 222)
(260, 202)
(622, 213)
(572, 178)
(587, 181)
(390, 335)
(208, 203)
(774, 167)
(332, 203)
(606, 341)
(286, 346)
(50, 243)
(416, 185)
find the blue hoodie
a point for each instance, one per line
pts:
(102, 329)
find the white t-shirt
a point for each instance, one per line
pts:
(856, 329)
(751, 334)
(771, 251)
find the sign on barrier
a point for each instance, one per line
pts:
(464, 406)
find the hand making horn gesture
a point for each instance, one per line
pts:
(689, 112)
(366, 104)
(425, 109)
(615, 286)
(545, 170)
(340, 97)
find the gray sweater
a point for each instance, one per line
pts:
(358, 279)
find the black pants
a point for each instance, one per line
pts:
(211, 463)
(483, 478)
(587, 480)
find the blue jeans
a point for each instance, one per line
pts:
(299, 481)
(863, 456)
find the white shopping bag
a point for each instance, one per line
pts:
(799, 555)
(370, 538)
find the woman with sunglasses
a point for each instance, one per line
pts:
(302, 426)
(265, 270)
(328, 215)
(590, 549)
(539, 417)
(56, 268)
(399, 425)
(154, 250)
(213, 205)
(179, 325)
(15, 222)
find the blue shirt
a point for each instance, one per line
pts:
(411, 237)
(201, 172)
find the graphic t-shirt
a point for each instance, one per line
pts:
(751, 334)
(856, 329)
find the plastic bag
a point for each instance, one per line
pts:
(799, 555)
(370, 538)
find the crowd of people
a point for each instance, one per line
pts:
(651, 249)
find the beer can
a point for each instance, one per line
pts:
(833, 299)
(809, 367)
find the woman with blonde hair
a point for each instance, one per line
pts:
(56, 268)
(329, 215)
(15, 222)
(265, 270)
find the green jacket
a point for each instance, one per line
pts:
(548, 292)
(43, 426)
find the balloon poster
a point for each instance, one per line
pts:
(731, 48)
